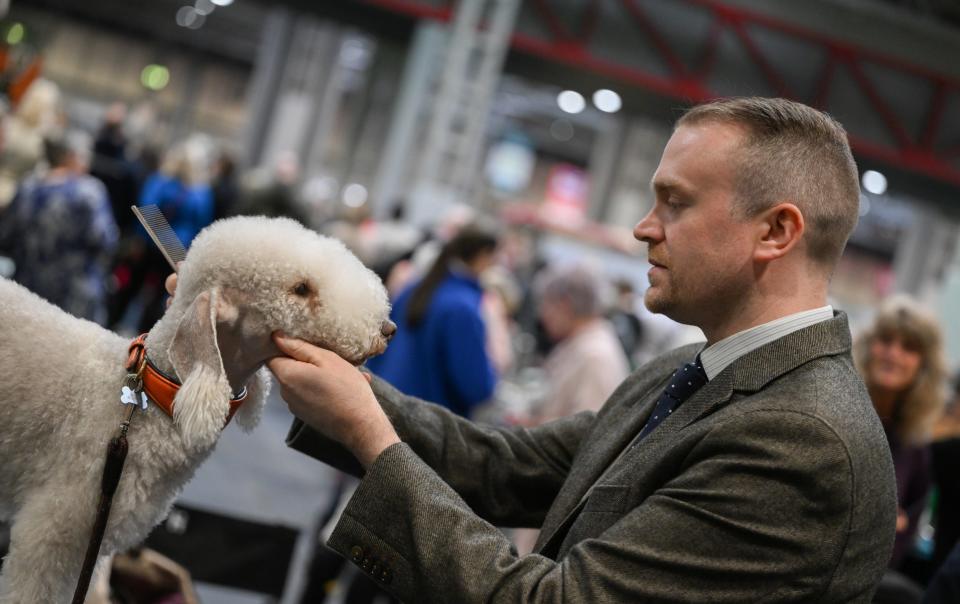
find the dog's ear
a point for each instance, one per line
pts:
(203, 401)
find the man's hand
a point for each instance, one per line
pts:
(171, 285)
(333, 397)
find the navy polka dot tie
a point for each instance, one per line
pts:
(686, 380)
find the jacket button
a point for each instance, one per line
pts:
(365, 564)
(356, 553)
(386, 576)
(375, 569)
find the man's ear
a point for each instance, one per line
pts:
(781, 229)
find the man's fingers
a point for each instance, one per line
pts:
(171, 284)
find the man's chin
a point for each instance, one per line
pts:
(656, 302)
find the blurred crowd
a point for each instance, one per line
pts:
(488, 326)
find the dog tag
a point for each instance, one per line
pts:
(129, 397)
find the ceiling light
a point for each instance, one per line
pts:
(874, 182)
(204, 7)
(155, 77)
(607, 100)
(15, 34)
(571, 101)
(354, 195)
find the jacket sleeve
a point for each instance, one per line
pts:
(509, 476)
(743, 520)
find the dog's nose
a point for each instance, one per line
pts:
(388, 329)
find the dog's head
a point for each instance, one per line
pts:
(245, 278)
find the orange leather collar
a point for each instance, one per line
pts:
(158, 386)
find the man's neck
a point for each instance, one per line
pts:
(776, 290)
(752, 315)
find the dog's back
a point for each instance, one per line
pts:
(38, 373)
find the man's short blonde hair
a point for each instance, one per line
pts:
(792, 153)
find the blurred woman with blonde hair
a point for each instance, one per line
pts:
(902, 363)
(38, 115)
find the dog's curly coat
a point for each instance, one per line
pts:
(60, 396)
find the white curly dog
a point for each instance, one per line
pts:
(60, 393)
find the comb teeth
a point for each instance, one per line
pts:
(162, 234)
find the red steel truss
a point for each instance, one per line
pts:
(924, 152)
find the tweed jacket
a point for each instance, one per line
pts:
(772, 483)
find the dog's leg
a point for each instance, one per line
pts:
(47, 543)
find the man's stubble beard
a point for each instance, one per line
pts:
(661, 300)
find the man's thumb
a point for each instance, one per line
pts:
(296, 348)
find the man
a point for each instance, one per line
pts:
(769, 482)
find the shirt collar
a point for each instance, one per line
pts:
(717, 357)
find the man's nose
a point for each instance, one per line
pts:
(648, 229)
(388, 328)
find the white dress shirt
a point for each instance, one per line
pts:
(717, 357)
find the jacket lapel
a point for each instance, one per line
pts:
(748, 374)
(621, 426)
(621, 420)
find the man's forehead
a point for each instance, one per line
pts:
(696, 153)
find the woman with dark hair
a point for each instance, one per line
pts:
(439, 352)
(901, 360)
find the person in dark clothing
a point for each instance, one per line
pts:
(60, 232)
(275, 195)
(946, 459)
(225, 191)
(750, 467)
(901, 360)
(111, 165)
(625, 320)
(944, 587)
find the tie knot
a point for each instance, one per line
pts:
(686, 380)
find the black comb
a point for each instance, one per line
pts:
(162, 234)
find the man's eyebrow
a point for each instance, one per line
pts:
(665, 186)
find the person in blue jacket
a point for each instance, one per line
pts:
(181, 191)
(439, 352)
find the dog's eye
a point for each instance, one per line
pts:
(301, 289)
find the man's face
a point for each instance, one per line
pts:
(699, 247)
